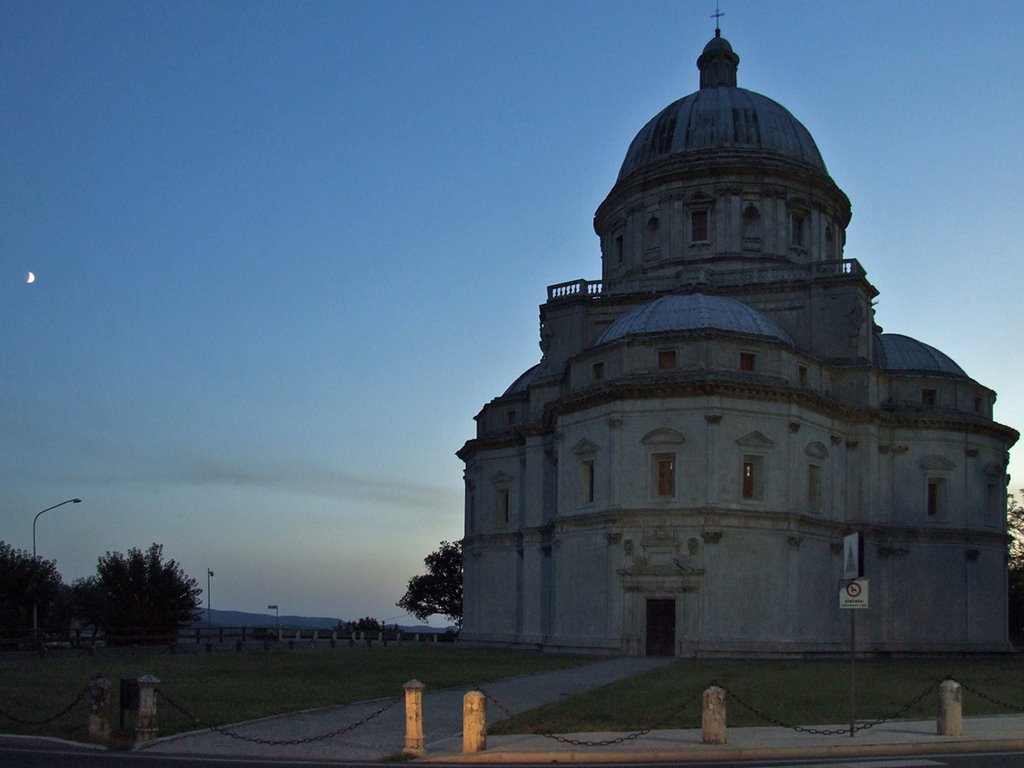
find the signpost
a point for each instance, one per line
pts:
(853, 595)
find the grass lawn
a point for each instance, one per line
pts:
(794, 692)
(223, 688)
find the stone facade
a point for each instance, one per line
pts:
(710, 419)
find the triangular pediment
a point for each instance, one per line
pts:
(584, 447)
(662, 437)
(755, 440)
(937, 462)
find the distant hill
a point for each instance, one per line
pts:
(242, 619)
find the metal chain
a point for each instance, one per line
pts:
(608, 742)
(279, 742)
(991, 699)
(831, 731)
(45, 720)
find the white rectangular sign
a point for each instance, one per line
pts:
(853, 556)
(854, 594)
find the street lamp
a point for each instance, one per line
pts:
(209, 600)
(35, 604)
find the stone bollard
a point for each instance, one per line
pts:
(950, 721)
(712, 718)
(145, 724)
(99, 708)
(414, 744)
(474, 722)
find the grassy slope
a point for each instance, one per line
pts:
(226, 688)
(795, 692)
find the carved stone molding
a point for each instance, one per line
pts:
(893, 551)
(851, 444)
(794, 426)
(711, 537)
(835, 439)
(713, 418)
(794, 541)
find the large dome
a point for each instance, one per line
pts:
(694, 312)
(721, 116)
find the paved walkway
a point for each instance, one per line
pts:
(384, 736)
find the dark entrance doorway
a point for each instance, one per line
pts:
(661, 627)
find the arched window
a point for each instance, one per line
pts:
(751, 228)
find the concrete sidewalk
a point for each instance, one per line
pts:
(896, 738)
(383, 736)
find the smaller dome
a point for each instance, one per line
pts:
(694, 312)
(902, 354)
(520, 385)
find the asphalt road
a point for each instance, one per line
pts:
(16, 757)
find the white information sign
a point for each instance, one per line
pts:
(854, 594)
(853, 556)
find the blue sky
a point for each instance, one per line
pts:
(285, 251)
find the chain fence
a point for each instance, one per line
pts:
(277, 742)
(830, 731)
(47, 720)
(991, 699)
(608, 742)
(761, 714)
(671, 717)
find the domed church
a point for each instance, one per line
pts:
(709, 420)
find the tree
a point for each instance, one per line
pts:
(139, 594)
(439, 590)
(25, 580)
(1015, 564)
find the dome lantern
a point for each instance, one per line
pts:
(718, 63)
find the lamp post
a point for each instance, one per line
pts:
(209, 600)
(277, 618)
(35, 603)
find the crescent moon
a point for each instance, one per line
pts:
(31, 278)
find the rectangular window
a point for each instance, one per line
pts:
(813, 487)
(510, 417)
(587, 481)
(995, 504)
(801, 373)
(597, 371)
(928, 397)
(699, 226)
(752, 480)
(503, 506)
(747, 361)
(666, 358)
(664, 468)
(934, 499)
(797, 231)
(618, 249)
